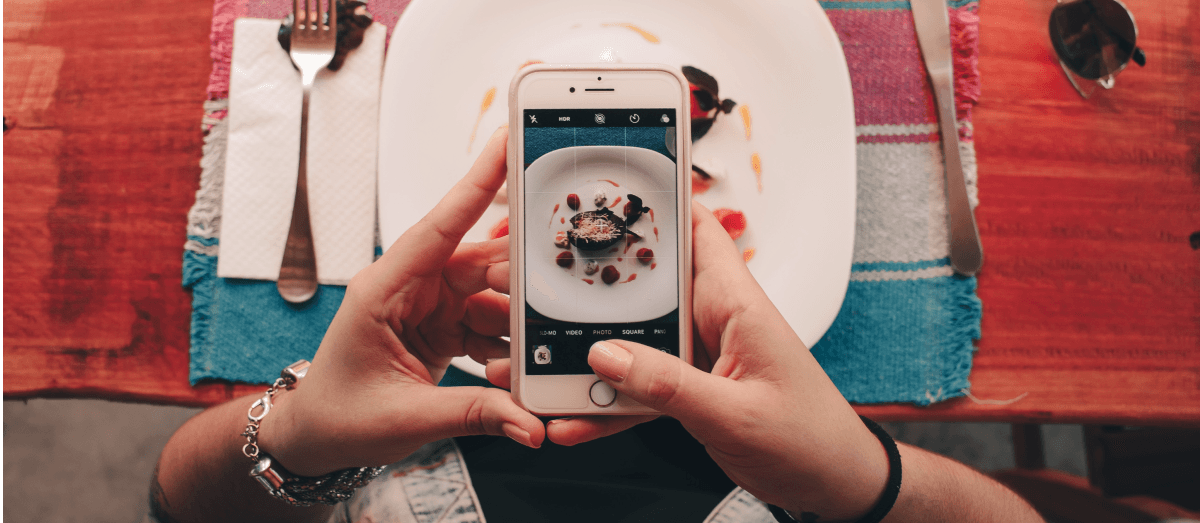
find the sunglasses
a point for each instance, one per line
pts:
(1094, 40)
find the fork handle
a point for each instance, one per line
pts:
(297, 281)
(966, 253)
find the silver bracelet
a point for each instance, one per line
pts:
(301, 491)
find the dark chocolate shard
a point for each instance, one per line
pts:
(633, 209)
(701, 79)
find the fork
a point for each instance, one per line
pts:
(313, 46)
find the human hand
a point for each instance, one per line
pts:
(767, 413)
(371, 395)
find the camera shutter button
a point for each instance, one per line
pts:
(602, 394)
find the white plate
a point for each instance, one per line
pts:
(779, 58)
(564, 294)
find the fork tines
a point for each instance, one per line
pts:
(303, 10)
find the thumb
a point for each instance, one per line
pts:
(468, 411)
(662, 382)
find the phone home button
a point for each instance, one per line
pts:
(602, 394)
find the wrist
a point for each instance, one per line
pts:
(851, 486)
(285, 437)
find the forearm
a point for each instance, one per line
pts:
(936, 488)
(203, 476)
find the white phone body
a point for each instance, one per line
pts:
(633, 106)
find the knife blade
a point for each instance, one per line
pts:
(933, 34)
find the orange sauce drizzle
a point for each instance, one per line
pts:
(488, 98)
(748, 254)
(589, 282)
(552, 215)
(745, 110)
(615, 203)
(631, 278)
(650, 37)
(651, 215)
(756, 164)
(615, 184)
(653, 265)
(560, 220)
(529, 63)
(656, 234)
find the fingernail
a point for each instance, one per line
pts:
(517, 434)
(610, 360)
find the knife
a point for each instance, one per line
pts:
(933, 34)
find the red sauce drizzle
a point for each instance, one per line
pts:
(656, 234)
(552, 214)
(589, 282)
(615, 249)
(615, 202)
(653, 265)
(619, 259)
(560, 220)
(615, 184)
(631, 278)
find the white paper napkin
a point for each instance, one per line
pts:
(263, 156)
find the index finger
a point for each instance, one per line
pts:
(425, 247)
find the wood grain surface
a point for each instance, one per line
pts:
(1091, 288)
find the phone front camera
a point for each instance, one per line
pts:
(572, 89)
(597, 78)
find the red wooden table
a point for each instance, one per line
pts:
(1091, 289)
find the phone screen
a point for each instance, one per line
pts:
(601, 233)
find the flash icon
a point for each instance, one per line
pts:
(599, 117)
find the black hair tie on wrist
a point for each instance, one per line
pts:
(890, 492)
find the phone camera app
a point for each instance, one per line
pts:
(541, 354)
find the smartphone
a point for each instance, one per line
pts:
(599, 226)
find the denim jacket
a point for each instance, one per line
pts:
(432, 485)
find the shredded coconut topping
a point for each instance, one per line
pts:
(596, 229)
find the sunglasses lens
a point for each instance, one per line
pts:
(1094, 38)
